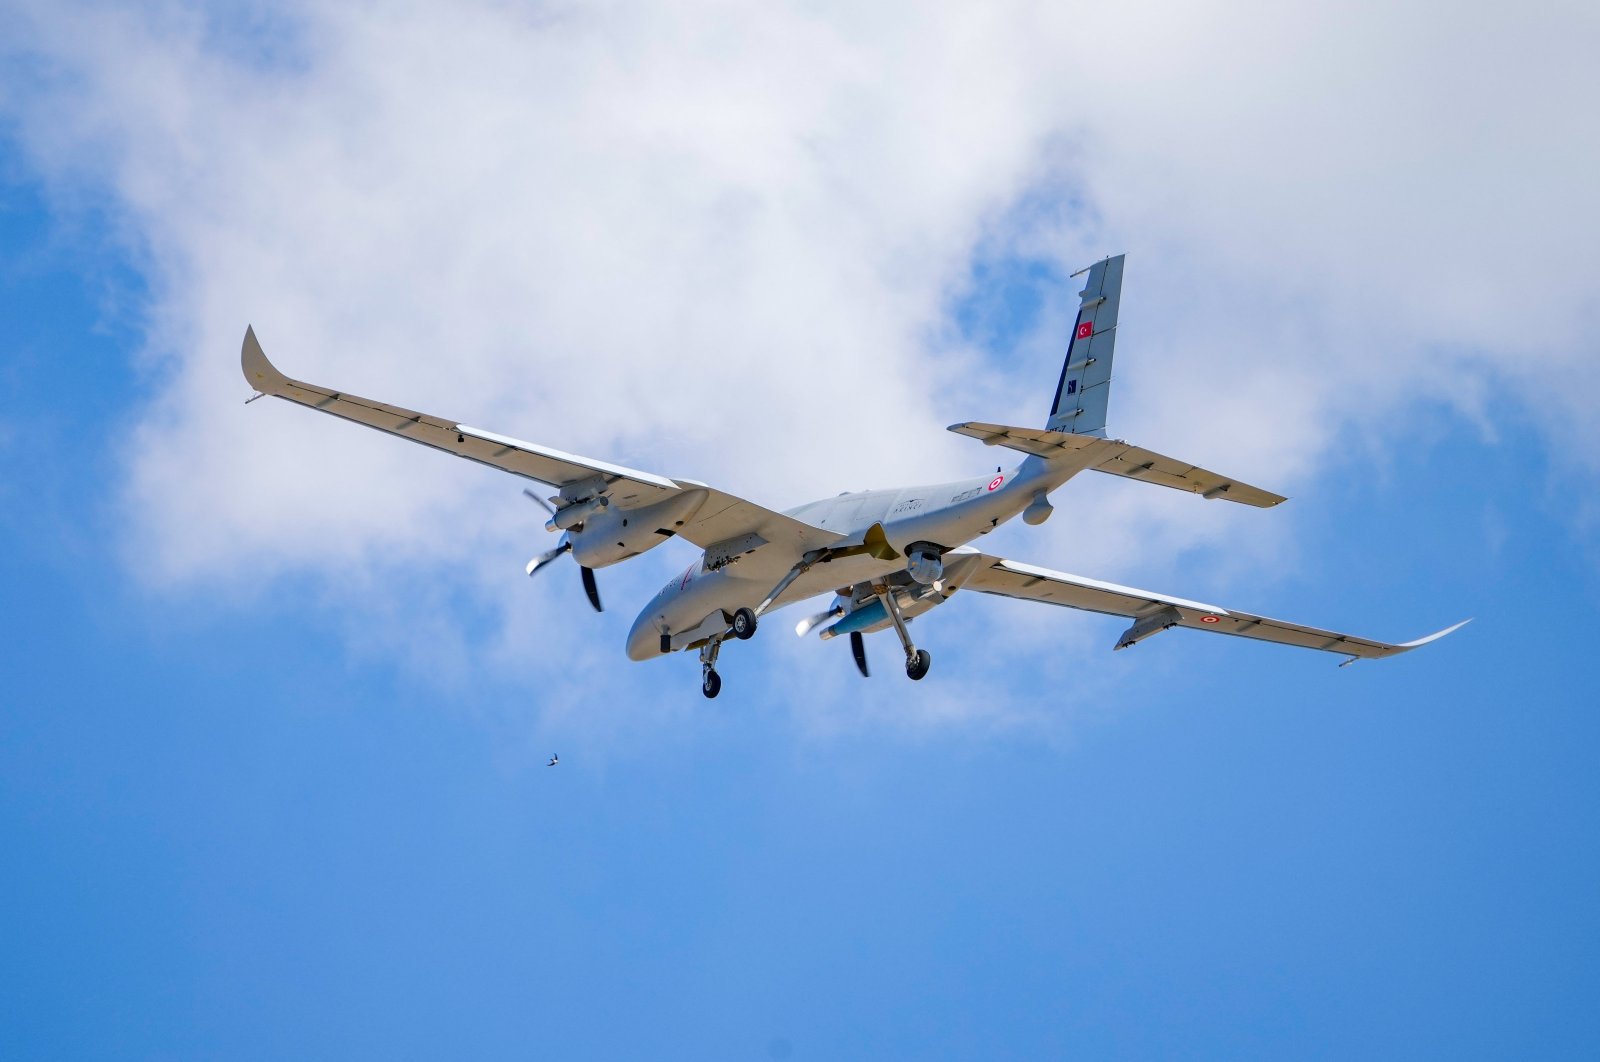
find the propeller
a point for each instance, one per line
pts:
(545, 558)
(590, 587)
(807, 625)
(858, 645)
(858, 649)
(540, 502)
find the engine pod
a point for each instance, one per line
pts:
(613, 534)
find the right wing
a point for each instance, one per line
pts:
(719, 518)
(1156, 612)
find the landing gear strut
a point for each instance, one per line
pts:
(710, 681)
(918, 661)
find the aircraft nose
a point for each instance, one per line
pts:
(644, 641)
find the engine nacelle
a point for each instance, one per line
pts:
(925, 564)
(612, 534)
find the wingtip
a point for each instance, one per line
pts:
(259, 372)
(1437, 634)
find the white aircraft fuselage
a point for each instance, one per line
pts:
(697, 602)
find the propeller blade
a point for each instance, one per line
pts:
(858, 649)
(590, 588)
(545, 558)
(805, 626)
(542, 503)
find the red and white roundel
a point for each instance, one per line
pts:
(994, 483)
(1210, 619)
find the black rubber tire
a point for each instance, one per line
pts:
(744, 624)
(711, 685)
(917, 668)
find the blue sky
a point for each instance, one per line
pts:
(278, 698)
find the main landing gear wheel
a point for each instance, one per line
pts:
(744, 624)
(710, 681)
(918, 665)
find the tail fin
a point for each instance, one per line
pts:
(1085, 387)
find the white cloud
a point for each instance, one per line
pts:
(724, 241)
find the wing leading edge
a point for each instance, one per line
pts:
(717, 519)
(1153, 612)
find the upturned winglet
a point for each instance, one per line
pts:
(258, 371)
(1435, 636)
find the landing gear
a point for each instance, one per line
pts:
(917, 664)
(744, 624)
(710, 681)
(918, 661)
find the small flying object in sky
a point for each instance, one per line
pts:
(888, 556)
(554, 759)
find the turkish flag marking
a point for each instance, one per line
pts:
(1086, 330)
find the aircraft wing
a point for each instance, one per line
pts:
(1154, 612)
(719, 518)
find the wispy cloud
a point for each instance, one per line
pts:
(728, 241)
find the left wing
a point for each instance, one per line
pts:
(718, 518)
(1152, 612)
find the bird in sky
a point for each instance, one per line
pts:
(554, 759)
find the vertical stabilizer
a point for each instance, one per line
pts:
(1085, 387)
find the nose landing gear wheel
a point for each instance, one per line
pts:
(711, 684)
(918, 665)
(744, 624)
